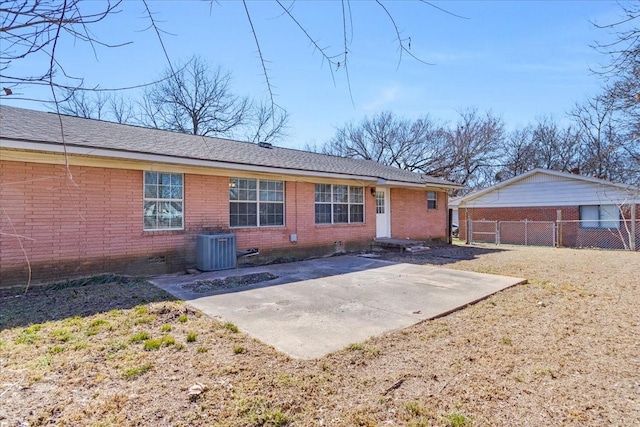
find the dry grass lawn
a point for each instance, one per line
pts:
(563, 350)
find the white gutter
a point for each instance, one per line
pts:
(389, 183)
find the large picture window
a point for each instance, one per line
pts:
(255, 203)
(599, 216)
(163, 201)
(339, 204)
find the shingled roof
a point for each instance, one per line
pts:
(19, 124)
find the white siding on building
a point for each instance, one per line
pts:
(542, 189)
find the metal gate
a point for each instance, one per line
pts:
(483, 231)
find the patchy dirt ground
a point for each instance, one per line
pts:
(561, 350)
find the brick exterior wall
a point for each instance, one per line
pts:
(411, 219)
(91, 223)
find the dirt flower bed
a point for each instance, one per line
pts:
(563, 349)
(232, 282)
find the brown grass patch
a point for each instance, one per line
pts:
(561, 350)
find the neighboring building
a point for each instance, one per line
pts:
(547, 207)
(81, 196)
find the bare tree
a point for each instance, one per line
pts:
(96, 105)
(544, 144)
(34, 28)
(602, 142)
(467, 153)
(518, 154)
(390, 140)
(622, 73)
(266, 122)
(555, 147)
(197, 100)
(476, 142)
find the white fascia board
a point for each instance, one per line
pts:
(426, 185)
(159, 158)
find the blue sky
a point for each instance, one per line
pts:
(519, 59)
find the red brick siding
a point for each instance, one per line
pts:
(92, 223)
(410, 217)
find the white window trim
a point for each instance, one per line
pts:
(435, 200)
(348, 203)
(160, 199)
(258, 201)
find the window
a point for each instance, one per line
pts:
(163, 201)
(255, 203)
(379, 202)
(339, 204)
(432, 200)
(599, 216)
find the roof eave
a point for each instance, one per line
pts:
(58, 148)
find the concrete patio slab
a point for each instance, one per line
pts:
(319, 306)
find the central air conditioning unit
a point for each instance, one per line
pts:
(215, 251)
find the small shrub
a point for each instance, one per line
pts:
(168, 340)
(260, 412)
(62, 335)
(372, 351)
(238, 349)
(139, 337)
(413, 408)
(141, 309)
(81, 346)
(33, 329)
(145, 319)
(28, 335)
(134, 372)
(183, 318)
(355, 347)
(152, 344)
(179, 346)
(73, 321)
(192, 337)
(98, 322)
(456, 419)
(166, 328)
(230, 326)
(56, 349)
(43, 361)
(202, 349)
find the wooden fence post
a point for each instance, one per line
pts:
(632, 239)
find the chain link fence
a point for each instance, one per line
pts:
(621, 235)
(535, 233)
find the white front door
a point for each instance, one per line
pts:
(383, 225)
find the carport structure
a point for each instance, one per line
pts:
(320, 306)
